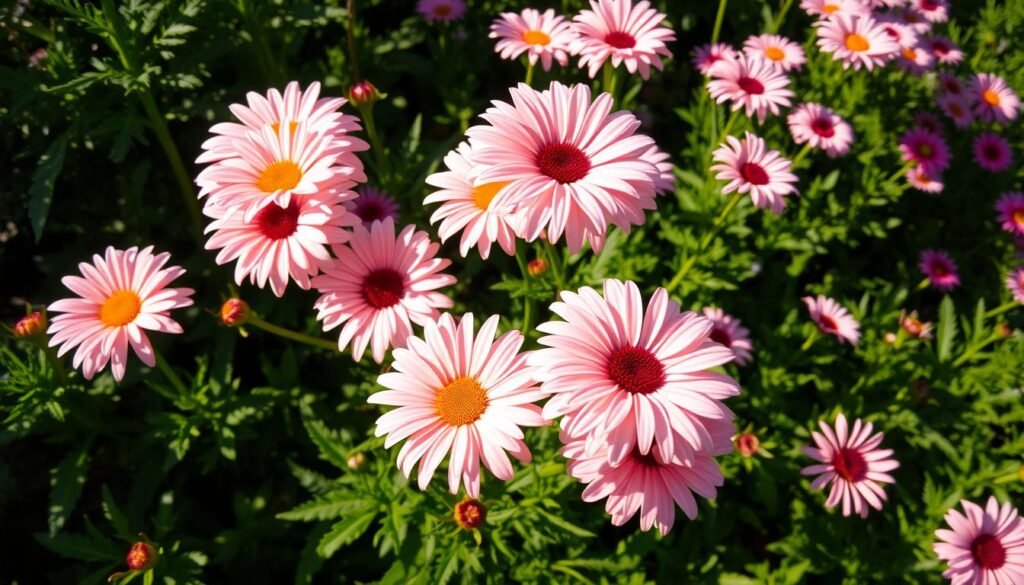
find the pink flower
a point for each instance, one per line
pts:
(730, 332)
(751, 168)
(940, 270)
(944, 50)
(750, 83)
(820, 127)
(927, 180)
(542, 36)
(625, 378)
(926, 149)
(1011, 212)
(992, 152)
(573, 166)
(993, 98)
(372, 204)
(932, 10)
(460, 394)
(852, 462)
(901, 34)
(827, 8)
(957, 107)
(628, 34)
(915, 60)
(468, 208)
(984, 546)
(912, 18)
(778, 50)
(120, 296)
(950, 83)
(832, 318)
(707, 55)
(859, 41)
(378, 285)
(665, 182)
(441, 10)
(1015, 283)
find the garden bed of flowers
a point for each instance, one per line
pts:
(435, 291)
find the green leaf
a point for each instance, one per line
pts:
(81, 547)
(329, 507)
(945, 332)
(564, 525)
(346, 531)
(40, 192)
(327, 441)
(66, 481)
(115, 515)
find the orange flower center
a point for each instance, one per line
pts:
(991, 97)
(909, 53)
(120, 308)
(829, 8)
(483, 194)
(279, 176)
(291, 127)
(1018, 216)
(774, 53)
(461, 401)
(857, 42)
(536, 37)
(442, 10)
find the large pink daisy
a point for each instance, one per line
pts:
(832, 318)
(378, 285)
(993, 98)
(751, 168)
(750, 83)
(543, 36)
(778, 50)
(441, 10)
(853, 463)
(730, 332)
(926, 149)
(1015, 283)
(628, 34)
(983, 546)
(940, 269)
(992, 152)
(1011, 212)
(820, 127)
(120, 295)
(858, 41)
(460, 394)
(707, 55)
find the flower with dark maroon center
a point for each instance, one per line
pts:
(750, 85)
(470, 513)
(988, 551)
(620, 40)
(827, 323)
(823, 127)
(754, 173)
(719, 335)
(636, 370)
(563, 162)
(370, 211)
(276, 222)
(849, 464)
(383, 288)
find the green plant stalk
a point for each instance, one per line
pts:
(777, 22)
(810, 340)
(609, 81)
(527, 300)
(1001, 309)
(801, 155)
(168, 373)
(55, 362)
(383, 164)
(971, 351)
(556, 260)
(529, 73)
(718, 21)
(704, 241)
(259, 323)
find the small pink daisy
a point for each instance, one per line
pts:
(1015, 283)
(859, 41)
(820, 127)
(993, 98)
(730, 332)
(707, 55)
(940, 270)
(900, 33)
(120, 295)
(949, 83)
(778, 50)
(923, 179)
(926, 149)
(945, 51)
(378, 285)
(750, 83)
(928, 121)
(983, 545)
(957, 107)
(827, 8)
(468, 208)
(932, 10)
(832, 318)
(751, 168)
(372, 204)
(543, 36)
(460, 394)
(915, 60)
(852, 462)
(992, 152)
(628, 34)
(1011, 212)
(441, 10)
(912, 18)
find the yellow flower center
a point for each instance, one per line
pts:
(120, 308)
(774, 53)
(461, 401)
(926, 149)
(829, 8)
(991, 97)
(536, 37)
(483, 194)
(291, 127)
(279, 176)
(857, 42)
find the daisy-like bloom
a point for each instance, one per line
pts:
(957, 107)
(120, 295)
(853, 463)
(928, 121)
(628, 34)
(627, 378)
(573, 166)
(750, 83)
(832, 318)
(463, 394)
(926, 149)
(993, 98)
(933, 10)
(820, 127)
(778, 50)
(940, 270)
(900, 33)
(707, 55)
(945, 51)
(751, 168)
(992, 152)
(927, 180)
(827, 8)
(280, 243)
(468, 208)
(730, 332)
(915, 327)
(949, 83)
(982, 545)
(1011, 212)
(441, 10)
(542, 36)
(858, 41)
(1015, 282)
(372, 204)
(379, 284)
(915, 60)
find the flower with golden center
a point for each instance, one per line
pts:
(542, 36)
(470, 513)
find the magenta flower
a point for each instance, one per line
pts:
(940, 270)
(441, 10)
(957, 107)
(944, 50)
(925, 149)
(1011, 212)
(707, 55)
(730, 332)
(1015, 283)
(982, 545)
(820, 127)
(992, 152)
(372, 204)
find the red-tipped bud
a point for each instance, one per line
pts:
(31, 325)
(747, 444)
(142, 556)
(234, 312)
(470, 513)
(364, 93)
(537, 267)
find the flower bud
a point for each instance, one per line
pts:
(31, 325)
(747, 444)
(470, 513)
(364, 93)
(536, 267)
(889, 337)
(1004, 330)
(915, 327)
(234, 312)
(142, 556)
(356, 461)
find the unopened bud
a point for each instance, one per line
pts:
(470, 513)
(364, 93)
(142, 556)
(356, 461)
(31, 325)
(536, 267)
(747, 444)
(915, 327)
(889, 338)
(1004, 330)
(234, 312)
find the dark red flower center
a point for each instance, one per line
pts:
(383, 288)
(991, 152)
(620, 40)
(849, 464)
(563, 162)
(276, 222)
(940, 48)
(928, 5)
(636, 370)
(754, 174)
(952, 86)
(370, 211)
(750, 85)
(827, 323)
(719, 335)
(823, 127)
(647, 460)
(940, 270)
(988, 551)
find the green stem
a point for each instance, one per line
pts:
(898, 174)
(704, 241)
(521, 249)
(718, 21)
(801, 155)
(383, 164)
(529, 73)
(777, 23)
(168, 372)
(259, 323)
(967, 355)
(58, 367)
(923, 284)
(556, 260)
(810, 340)
(608, 80)
(1002, 309)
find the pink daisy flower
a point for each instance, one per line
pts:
(915, 60)
(992, 152)
(467, 208)
(951, 84)
(940, 270)
(751, 168)
(1015, 283)
(832, 318)
(628, 34)
(993, 98)
(543, 36)
(750, 83)
(957, 107)
(627, 378)
(730, 332)
(827, 8)
(945, 51)
(926, 149)
(983, 545)
(932, 10)
(927, 180)
(573, 166)
(1011, 212)
(913, 18)
(665, 182)
(280, 243)
(707, 55)
(859, 41)
(372, 204)
(853, 463)
(460, 394)
(778, 50)
(928, 121)
(820, 127)
(120, 296)
(378, 285)
(441, 10)
(900, 33)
